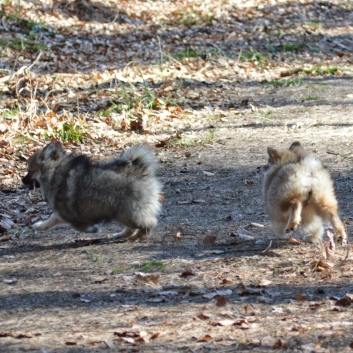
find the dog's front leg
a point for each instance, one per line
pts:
(53, 221)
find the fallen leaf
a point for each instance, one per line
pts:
(292, 240)
(10, 280)
(221, 301)
(168, 293)
(226, 322)
(345, 301)
(187, 273)
(300, 297)
(209, 240)
(154, 278)
(198, 201)
(5, 237)
(208, 173)
(245, 236)
(279, 344)
(203, 316)
(155, 335)
(265, 282)
(206, 338)
(18, 335)
(207, 252)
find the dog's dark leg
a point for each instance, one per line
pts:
(83, 227)
(53, 221)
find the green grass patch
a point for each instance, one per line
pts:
(192, 18)
(9, 114)
(253, 56)
(24, 25)
(311, 98)
(322, 70)
(315, 25)
(292, 46)
(71, 132)
(152, 265)
(288, 82)
(19, 44)
(117, 270)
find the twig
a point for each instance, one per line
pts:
(268, 247)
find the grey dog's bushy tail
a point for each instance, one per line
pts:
(137, 160)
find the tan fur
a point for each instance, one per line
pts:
(83, 192)
(299, 194)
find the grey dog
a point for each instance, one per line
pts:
(83, 192)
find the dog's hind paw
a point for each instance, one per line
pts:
(39, 226)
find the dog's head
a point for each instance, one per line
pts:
(38, 162)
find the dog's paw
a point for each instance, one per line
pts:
(39, 226)
(292, 227)
(341, 239)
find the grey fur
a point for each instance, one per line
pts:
(83, 192)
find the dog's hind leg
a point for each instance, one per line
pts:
(295, 217)
(140, 235)
(329, 212)
(83, 227)
(339, 228)
(126, 233)
(52, 221)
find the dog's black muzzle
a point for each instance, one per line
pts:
(29, 182)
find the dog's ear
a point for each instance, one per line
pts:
(52, 151)
(294, 145)
(273, 155)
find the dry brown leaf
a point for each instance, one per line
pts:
(18, 335)
(300, 297)
(294, 241)
(154, 278)
(155, 335)
(206, 338)
(226, 322)
(187, 273)
(279, 344)
(209, 240)
(345, 301)
(203, 316)
(71, 343)
(5, 237)
(221, 301)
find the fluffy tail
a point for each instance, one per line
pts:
(137, 160)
